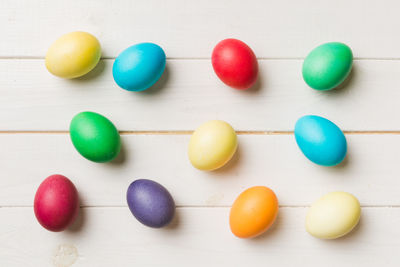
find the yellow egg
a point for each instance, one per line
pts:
(333, 215)
(73, 55)
(212, 145)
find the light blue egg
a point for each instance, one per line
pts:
(139, 66)
(320, 140)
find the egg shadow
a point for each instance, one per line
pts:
(256, 87)
(348, 83)
(91, 75)
(345, 162)
(174, 224)
(342, 166)
(231, 164)
(79, 223)
(355, 232)
(121, 157)
(159, 85)
(270, 233)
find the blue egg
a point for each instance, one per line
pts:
(139, 66)
(320, 140)
(150, 203)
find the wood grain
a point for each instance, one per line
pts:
(36, 108)
(274, 29)
(370, 171)
(189, 94)
(197, 237)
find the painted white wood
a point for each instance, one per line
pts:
(281, 33)
(370, 172)
(189, 93)
(198, 237)
(279, 28)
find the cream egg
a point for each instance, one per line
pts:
(333, 215)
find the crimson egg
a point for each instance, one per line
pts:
(56, 203)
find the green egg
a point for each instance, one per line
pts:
(327, 66)
(95, 137)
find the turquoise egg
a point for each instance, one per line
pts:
(327, 66)
(139, 66)
(320, 140)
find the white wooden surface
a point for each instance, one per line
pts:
(190, 29)
(190, 93)
(272, 160)
(198, 237)
(36, 108)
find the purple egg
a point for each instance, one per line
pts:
(150, 203)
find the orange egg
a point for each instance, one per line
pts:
(253, 212)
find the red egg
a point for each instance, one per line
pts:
(235, 63)
(56, 203)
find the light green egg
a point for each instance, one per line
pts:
(327, 66)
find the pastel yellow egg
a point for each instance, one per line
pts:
(333, 215)
(73, 55)
(212, 145)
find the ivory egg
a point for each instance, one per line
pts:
(333, 215)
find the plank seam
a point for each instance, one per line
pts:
(194, 206)
(189, 132)
(207, 58)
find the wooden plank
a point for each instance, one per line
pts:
(198, 237)
(370, 172)
(281, 28)
(189, 94)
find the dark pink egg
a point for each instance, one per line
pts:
(56, 203)
(235, 63)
